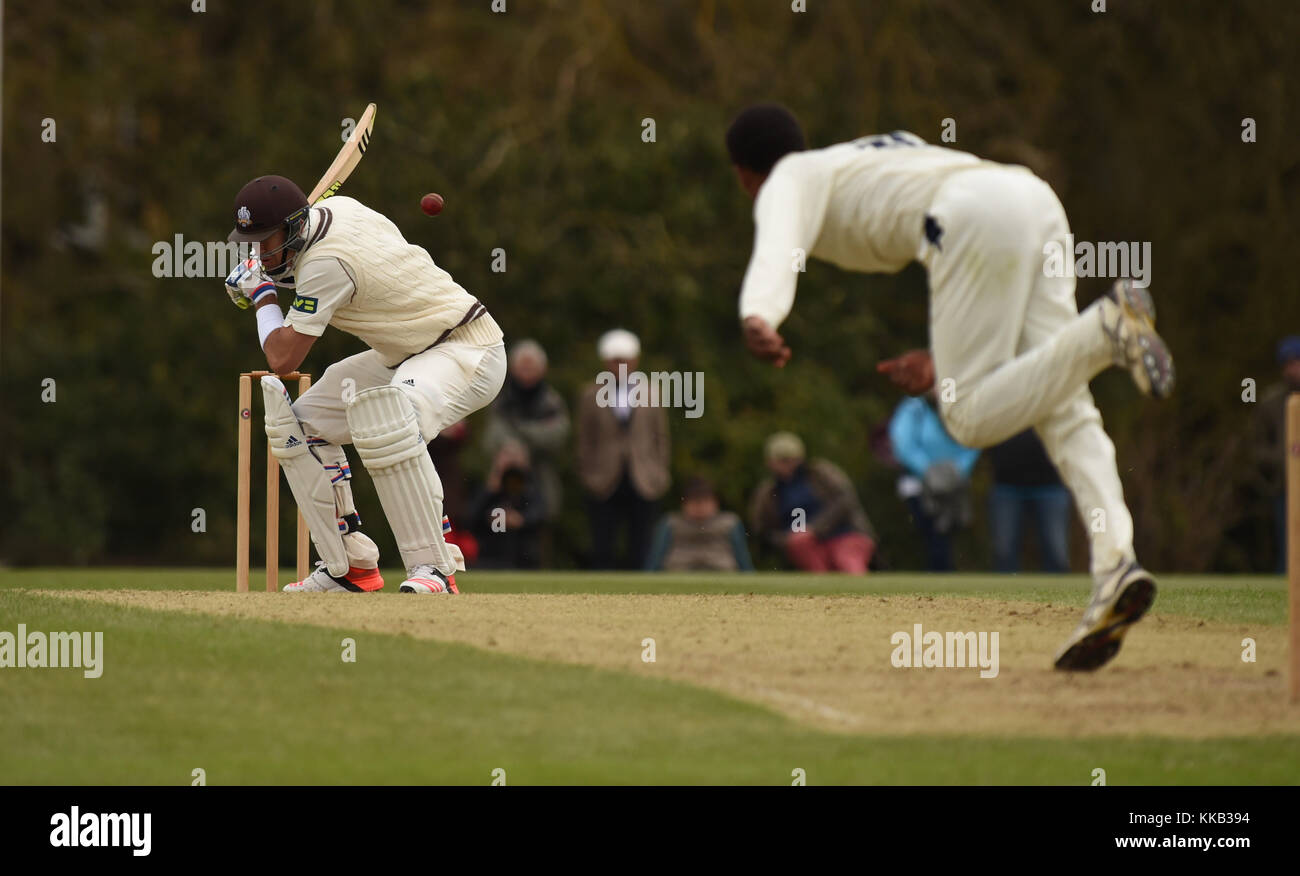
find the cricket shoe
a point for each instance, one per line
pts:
(427, 579)
(1119, 599)
(1131, 327)
(321, 581)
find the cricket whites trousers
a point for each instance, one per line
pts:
(442, 385)
(445, 384)
(1010, 348)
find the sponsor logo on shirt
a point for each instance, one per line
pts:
(304, 304)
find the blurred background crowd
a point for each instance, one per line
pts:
(804, 512)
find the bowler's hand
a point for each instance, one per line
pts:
(913, 372)
(763, 341)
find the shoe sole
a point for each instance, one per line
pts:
(1157, 362)
(1097, 649)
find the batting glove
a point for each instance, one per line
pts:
(248, 283)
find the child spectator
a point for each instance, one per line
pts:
(700, 537)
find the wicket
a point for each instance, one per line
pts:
(272, 493)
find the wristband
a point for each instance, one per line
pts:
(267, 288)
(269, 318)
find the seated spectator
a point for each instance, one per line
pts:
(509, 512)
(701, 537)
(1025, 484)
(935, 485)
(809, 510)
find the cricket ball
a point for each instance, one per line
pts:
(431, 204)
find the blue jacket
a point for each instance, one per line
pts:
(920, 440)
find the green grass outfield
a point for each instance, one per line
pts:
(262, 702)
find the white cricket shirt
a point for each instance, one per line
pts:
(358, 274)
(859, 205)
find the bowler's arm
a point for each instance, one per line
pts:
(780, 234)
(787, 223)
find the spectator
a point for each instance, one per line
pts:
(510, 512)
(530, 411)
(445, 451)
(700, 537)
(935, 484)
(622, 458)
(1026, 483)
(1270, 441)
(809, 511)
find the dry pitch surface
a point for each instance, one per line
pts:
(825, 660)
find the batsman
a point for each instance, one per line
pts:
(435, 356)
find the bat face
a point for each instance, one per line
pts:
(347, 159)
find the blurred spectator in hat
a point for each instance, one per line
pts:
(935, 485)
(700, 537)
(1026, 486)
(530, 411)
(509, 513)
(623, 453)
(809, 510)
(1270, 441)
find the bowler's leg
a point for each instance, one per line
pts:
(985, 275)
(1084, 456)
(1001, 221)
(1072, 432)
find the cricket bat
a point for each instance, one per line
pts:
(347, 159)
(344, 163)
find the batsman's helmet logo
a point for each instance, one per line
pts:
(244, 218)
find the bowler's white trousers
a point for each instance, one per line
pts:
(1010, 348)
